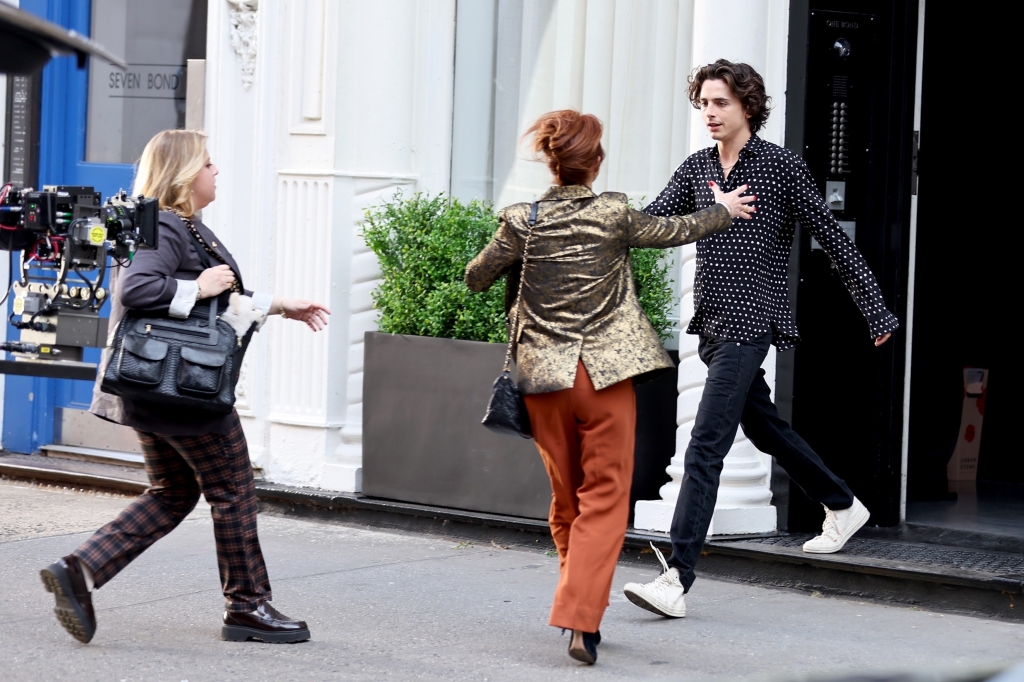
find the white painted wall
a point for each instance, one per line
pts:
(350, 102)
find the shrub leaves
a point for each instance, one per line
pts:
(423, 244)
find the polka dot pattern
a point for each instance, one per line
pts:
(740, 287)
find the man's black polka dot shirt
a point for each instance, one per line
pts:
(740, 288)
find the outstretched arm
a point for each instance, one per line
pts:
(648, 231)
(816, 216)
(495, 259)
(652, 232)
(313, 315)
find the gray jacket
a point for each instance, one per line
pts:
(163, 280)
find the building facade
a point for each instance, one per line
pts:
(319, 109)
(330, 107)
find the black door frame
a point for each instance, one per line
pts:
(884, 237)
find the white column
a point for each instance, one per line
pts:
(317, 110)
(394, 122)
(344, 470)
(755, 32)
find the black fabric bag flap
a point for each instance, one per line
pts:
(145, 347)
(206, 358)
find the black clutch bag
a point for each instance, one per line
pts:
(506, 411)
(191, 363)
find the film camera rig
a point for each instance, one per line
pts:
(64, 236)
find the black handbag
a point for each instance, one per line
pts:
(191, 363)
(506, 411)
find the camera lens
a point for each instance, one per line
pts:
(842, 48)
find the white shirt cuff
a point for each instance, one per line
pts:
(184, 298)
(262, 301)
(722, 202)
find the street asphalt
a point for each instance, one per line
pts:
(404, 606)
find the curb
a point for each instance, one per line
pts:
(105, 483)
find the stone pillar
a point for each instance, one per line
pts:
(754, 32)
(318, 109)
(394, 124)
(344, 471)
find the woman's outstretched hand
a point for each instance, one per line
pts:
(739, 207)
(313, 314)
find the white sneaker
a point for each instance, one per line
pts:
(664, 596)
(839, 527)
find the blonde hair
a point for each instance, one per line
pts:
(170, 163)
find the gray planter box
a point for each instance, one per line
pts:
(423, 399)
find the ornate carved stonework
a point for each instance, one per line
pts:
(243, 36)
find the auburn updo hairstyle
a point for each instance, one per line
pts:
(570, 142)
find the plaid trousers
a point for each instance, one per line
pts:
(179, 469)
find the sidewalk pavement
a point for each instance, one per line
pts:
(389, 605)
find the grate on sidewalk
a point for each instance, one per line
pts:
(939, 556)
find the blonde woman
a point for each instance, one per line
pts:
(187, 452)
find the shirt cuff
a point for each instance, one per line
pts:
(262, 301)
(184, 298)
(726, 206)
(884, 325)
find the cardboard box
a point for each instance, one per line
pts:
(963, 465)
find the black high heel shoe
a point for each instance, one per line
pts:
(583, 646)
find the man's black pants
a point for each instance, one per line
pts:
(736, 394)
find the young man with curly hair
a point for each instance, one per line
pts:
(741, 308)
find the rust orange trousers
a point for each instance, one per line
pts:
(586, 439)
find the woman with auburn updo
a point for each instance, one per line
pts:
(583, 340)
(187, 451)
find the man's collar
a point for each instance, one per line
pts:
(752, 147)
(566, 192)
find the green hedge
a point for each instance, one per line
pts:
(423, 244)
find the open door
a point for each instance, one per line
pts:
(963, 468)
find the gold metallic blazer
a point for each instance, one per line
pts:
(579, 300)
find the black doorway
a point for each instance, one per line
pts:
(844, 396)
(965, 294)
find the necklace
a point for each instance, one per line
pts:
(237, 284)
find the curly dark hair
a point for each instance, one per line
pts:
(745, 83)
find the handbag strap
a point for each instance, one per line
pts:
(204, 251)
(513, 338)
